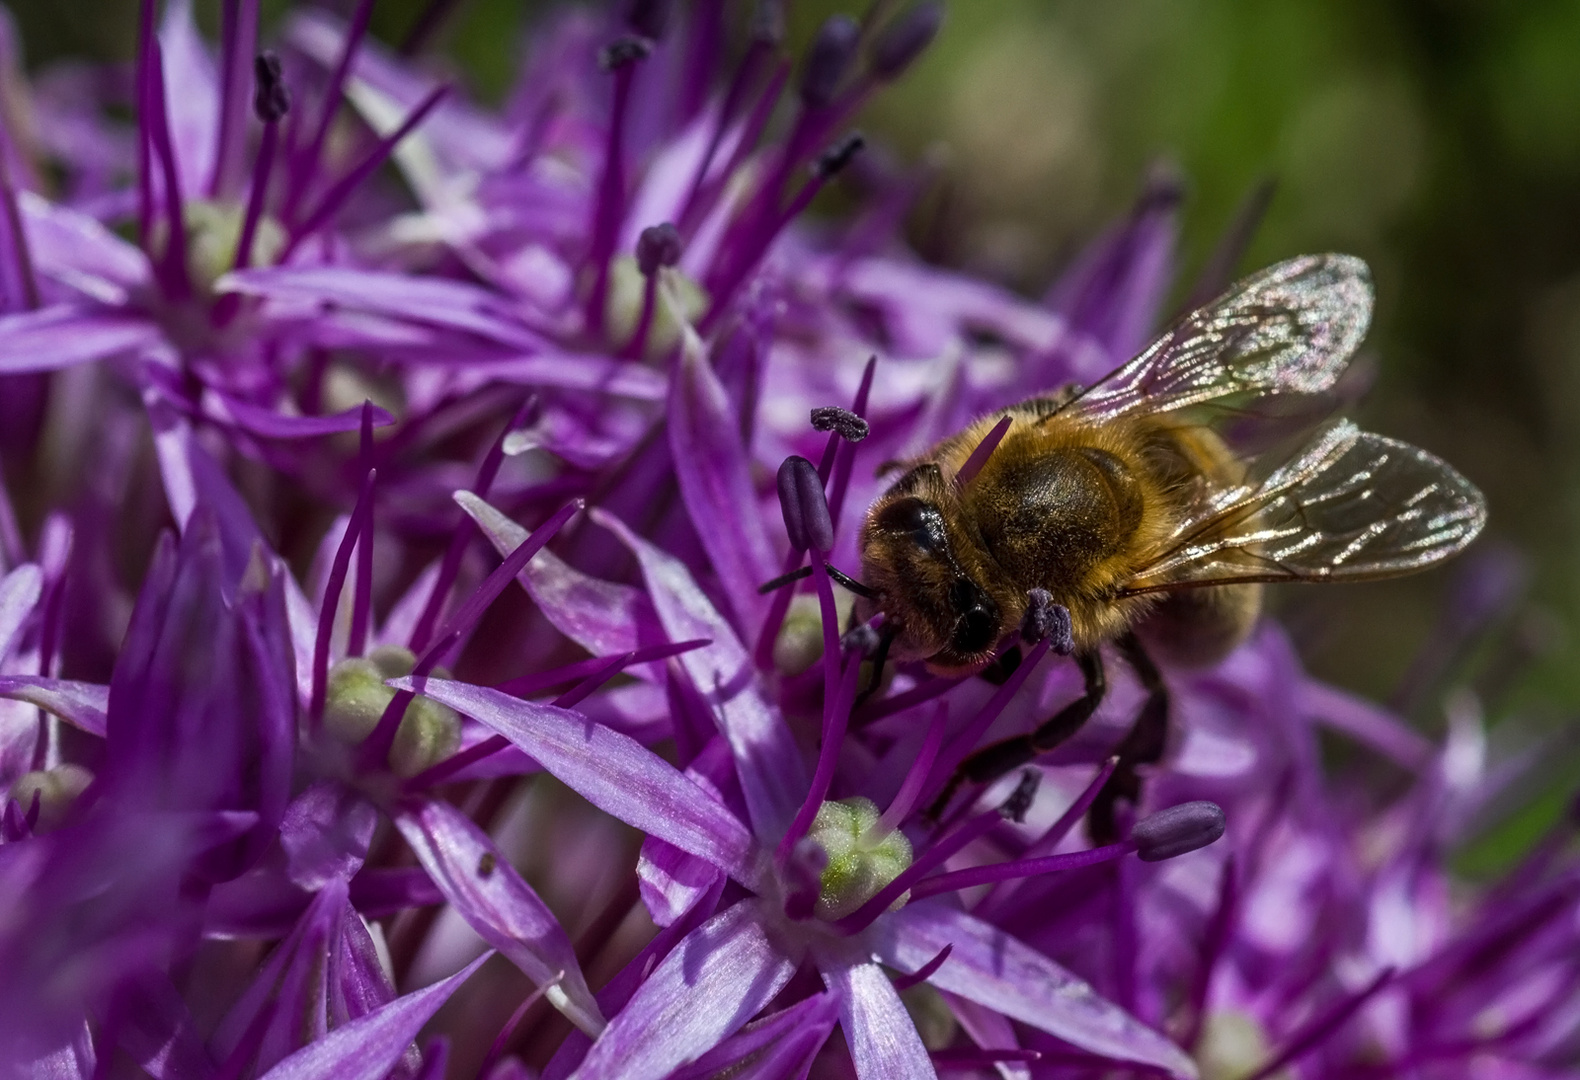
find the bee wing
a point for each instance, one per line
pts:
(1350, 506)
(1289, 329)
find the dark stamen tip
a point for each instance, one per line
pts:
(861, 640)
(626, 50)
(804, 505)
(850, 427)
(659, 245)
(828, 59)
(1178, 830)
(270, 99)
(905, 39)
(1046, 621)
(768, 23)
(1014, 808)
(833, 160)
(650, 18)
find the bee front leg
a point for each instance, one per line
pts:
(992, 762)
(1142, 745)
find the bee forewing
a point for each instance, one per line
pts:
(1351, 506)
(1289, 329)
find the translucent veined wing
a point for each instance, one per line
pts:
(1350, 506)
(1289, 329)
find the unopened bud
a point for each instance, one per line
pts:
(828, 59)
(1178, 830)
(357, 697)
(862, 857)
(850, 427)
(270, 99)
(804, 505)
(905, 38)
(659, 245)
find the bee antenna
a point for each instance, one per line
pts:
(784, 579)
(849, 582)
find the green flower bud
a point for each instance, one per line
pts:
(799, 644)
(934, 1019)
(1232, 1047)
(213, 230)
(357, 697)
(861, 860)
(56, 789)
(627, 288)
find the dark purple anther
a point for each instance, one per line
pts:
(861, 640)
(1177, 830)
(833, 160)
(649, 18)
(1046, 621)
(768, 23)
(847, 424)
(905, 38)
(659, 245)
(827, 60)
(805, 506)
(270, 99)
(627, 50)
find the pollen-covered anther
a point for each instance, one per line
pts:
(1046, 621)
(55, 789)
(357, 697)
(1177, 830)
(862, 857)
(846, 424)
(805, 506)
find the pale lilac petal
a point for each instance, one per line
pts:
(80, 704)
(882, 1038)
(490, 895)
(713, 982)
(993, 969)
(671, 880)
(603, 617)
(777, 1047)
(325, 833)
(192, 95)
(77, 251)
(991, 1030)
(62, 335)
(714, 473)
(1361, 720)
(193, 478)
(596, 373)
(19, 593)
(612, 771)
(73, 1061)
(274, 425)
(369, 1047)
(772, 771)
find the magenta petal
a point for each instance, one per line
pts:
(714, 981)
(80, 704)
(490, 895)
(272, 425)
(772, 771)
(714, 472)
(994, 969)
(63, 335)
(602, 617)
(192, 90)
(594, 373)
(19, 593)
(369, 1047)
(612, 771)
(881, 1035)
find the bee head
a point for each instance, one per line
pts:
(930, 577)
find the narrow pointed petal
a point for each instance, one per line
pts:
(772, 1047)
(80, 704)
(273, 425)
(369, 1047)
(993, 969)
(714, 473)
(80, 253)
(772, 771)
(490, 895)
(714, 981)
(882, 1038)
(64, 335)
(612, 771)
(19, 593)
(192, 477)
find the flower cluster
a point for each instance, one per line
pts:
(386, 685)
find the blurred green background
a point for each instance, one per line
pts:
(1439, 139)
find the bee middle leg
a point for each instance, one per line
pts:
(1143, 744)
(992, 762)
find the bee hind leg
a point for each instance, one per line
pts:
(1142, 745)
(992, 762)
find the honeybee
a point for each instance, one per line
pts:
(1127, 506)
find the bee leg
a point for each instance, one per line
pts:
(879, 658)
(992, 762)
(1142, 745)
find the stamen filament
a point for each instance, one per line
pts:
(1019, 868)
(609, 208)
(332, 587)
(910, 792)
(933, 857)
(305, 164)
(362, 599)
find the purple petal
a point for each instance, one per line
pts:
(714, 472)
(772, 771)
(192, 478)
(377, 893)
(490, 895)
(602, 617)
(80, 704)
(881, 1035)
(773, 1046)
(159, 1034)
(192, 90)
(714, 981)
(1365, 722)
(273, 425)
(612, 771)
(325, 833)
(77, 251)
(671, 880)
(993, 969)
(594, 373)
(369, 1047)
(63, 335)
(19, 593)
